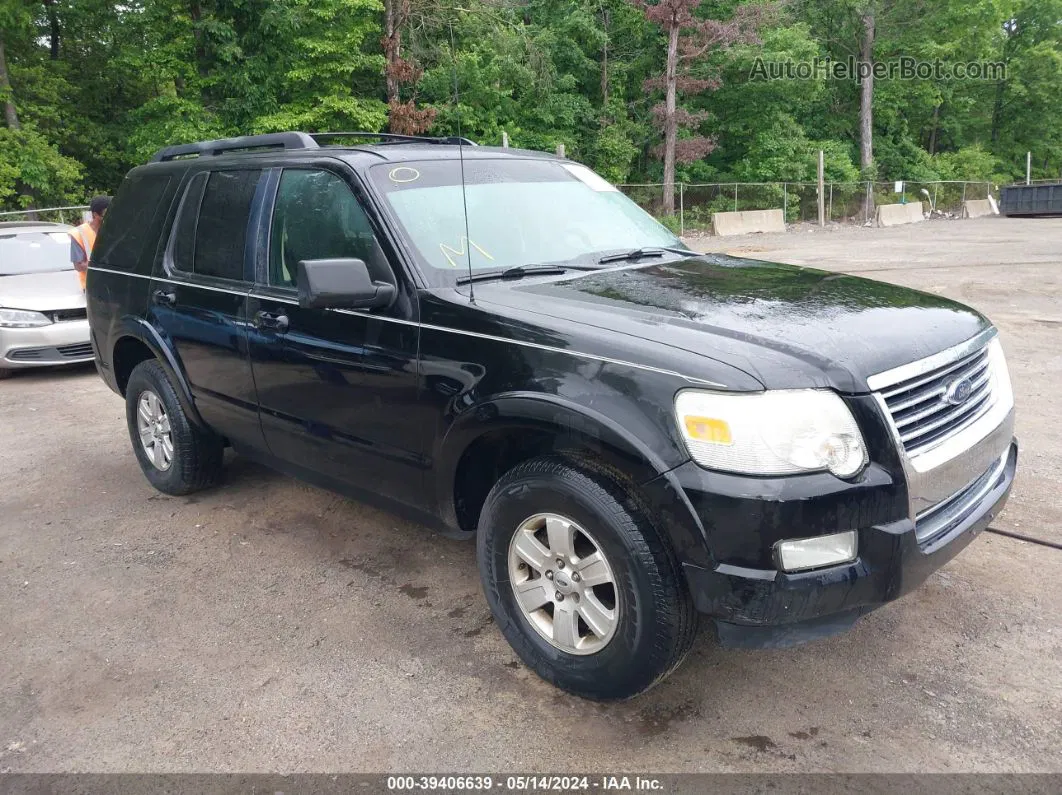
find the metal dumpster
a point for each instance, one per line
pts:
(1025, 200)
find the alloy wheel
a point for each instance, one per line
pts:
(564, 584)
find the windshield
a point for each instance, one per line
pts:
(34, 252)
(520, 212)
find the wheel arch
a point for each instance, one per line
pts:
(496, 435)
(136, 341)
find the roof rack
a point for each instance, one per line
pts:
(288, 140)
(394, 138)
(285, 140)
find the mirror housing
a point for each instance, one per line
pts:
(340, 284)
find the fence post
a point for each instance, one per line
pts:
(682, 209)
(829, 214)
(560, 150)
(735, 197)
(1028, 167)
(935, 186)
(822, 198)
(785, 202)
(866, 204)
(505, 140)
(963, 198)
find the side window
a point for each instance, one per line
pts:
(221, 235)
(130, 224)
(318, 217)
(210, 235)
(184, 229)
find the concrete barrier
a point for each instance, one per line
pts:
(977, 208)
(896, 214)
(747, 221)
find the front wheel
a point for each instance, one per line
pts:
(580, 583)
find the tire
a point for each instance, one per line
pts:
(6, 373)
(654, 621)
(194, 456)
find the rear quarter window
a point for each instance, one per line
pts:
(130, 225)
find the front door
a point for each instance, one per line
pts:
(200, 302)
(337, 389)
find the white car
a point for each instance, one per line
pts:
(42, 305)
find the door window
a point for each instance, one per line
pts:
(318, 217)
(210, 236)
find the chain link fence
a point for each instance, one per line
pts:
(843, 202)
(61, 215)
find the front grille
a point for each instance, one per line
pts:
(63, 315)
(920, 412)
(78, 351)
(949, 513)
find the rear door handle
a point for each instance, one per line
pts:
(276, 321)
(164, 298)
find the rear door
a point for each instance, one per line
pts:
(337, 389)
(199, 302)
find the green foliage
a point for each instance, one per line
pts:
(132, 77)
(33, 172)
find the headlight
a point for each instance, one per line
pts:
(777, 432)
(21, 318)
(1003, 391)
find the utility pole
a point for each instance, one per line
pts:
(822, 199)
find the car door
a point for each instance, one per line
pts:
(337, 389)
(199, 302)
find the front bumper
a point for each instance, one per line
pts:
(65, 342)
(757, 607)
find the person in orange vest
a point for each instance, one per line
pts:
(83, 237)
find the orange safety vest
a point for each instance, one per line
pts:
(84, 236)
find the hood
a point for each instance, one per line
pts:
(787, 326)
(42, 292)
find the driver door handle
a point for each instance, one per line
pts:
(277, 321)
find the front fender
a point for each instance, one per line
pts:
(141, 330)
(624, 439)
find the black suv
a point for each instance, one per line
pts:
(501, 343)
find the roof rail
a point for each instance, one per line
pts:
(393, 138)
(284, 140)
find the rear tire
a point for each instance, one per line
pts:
(176, 457)
(649, 621)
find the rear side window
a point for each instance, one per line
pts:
(129, 226)
(210, 235)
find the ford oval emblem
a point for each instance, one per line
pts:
(958, 391)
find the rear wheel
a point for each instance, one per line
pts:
(580, 583)
(175, 456)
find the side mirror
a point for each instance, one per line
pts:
(340, 284)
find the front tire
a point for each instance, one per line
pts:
(583, 587)
(176, 457)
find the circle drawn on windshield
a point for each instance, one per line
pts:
(404, 174)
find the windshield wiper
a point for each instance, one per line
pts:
(642, 253)
(519, 271)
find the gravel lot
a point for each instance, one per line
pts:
(270, 626)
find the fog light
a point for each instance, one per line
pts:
(812, 553)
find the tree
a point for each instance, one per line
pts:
(689, 38)
(404, 118)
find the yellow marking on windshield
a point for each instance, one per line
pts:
(460, 252)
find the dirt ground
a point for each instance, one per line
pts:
(270, 626)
